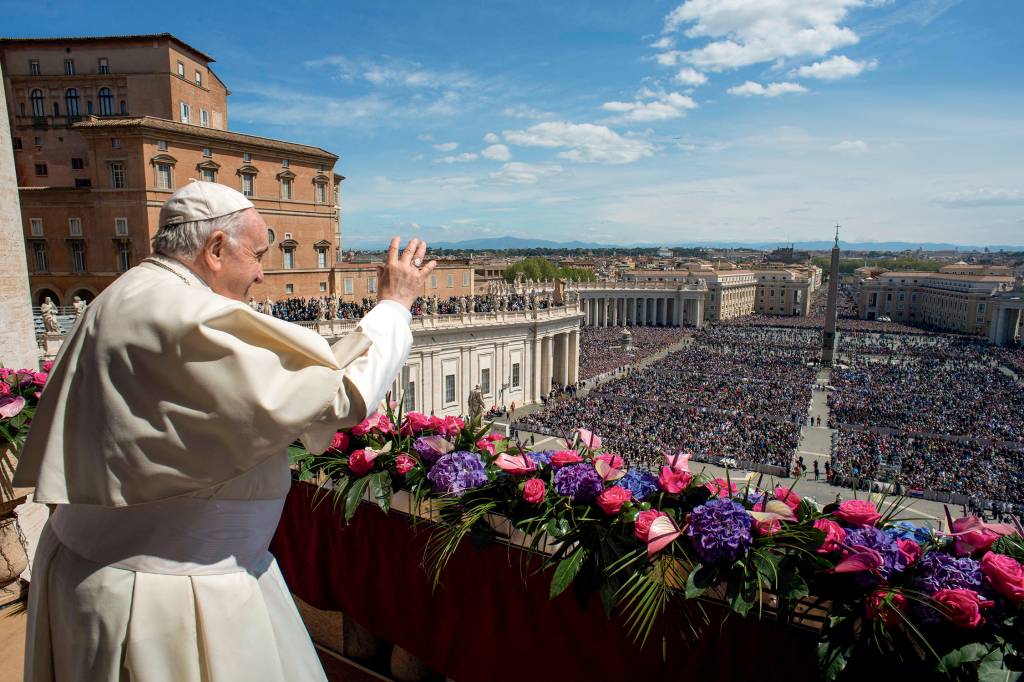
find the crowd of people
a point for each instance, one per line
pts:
(734, 392)
(295, 309)
(603, 350)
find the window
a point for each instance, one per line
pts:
(78, 255)
(163, 176)
(106, 102)
(209, 175)
(33, 67)
(115, 143)
(181, 70)
(321, 257)
(38, 105)
(83, 182)
(35, 227)
(39, 250)
(286, 188)
(248, 183)
(41, 170)
(75, 227)
(88, 107)
(121, 227)
(161, 145)
(199, 78)
(284, 163)
(117, 179)
(16, 143)
(515, 375)
(433, 281)
(465, 279)
(124, 108)
(69, 67)
(124, 256)
(449, 388)
(408, 391)
(184, 111)
(246, 156)
(485, 380)
(71, 101)
(56, 109)
(104, 65)
(323, 287)
(204, 118)
(289, 258)
(207, 152)
(321, 193)
(451, 280)
(289, 288)
(348, 285)
(371, 285)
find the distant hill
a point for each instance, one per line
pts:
(508, 242)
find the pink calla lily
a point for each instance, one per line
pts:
(663, 532)
(678, 462)
(515, 464)
(860, 559)
(589, 439)
(11, 406)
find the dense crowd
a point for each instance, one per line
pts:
(602, 349)
(318, 307)
(937, 346)
(733, 392)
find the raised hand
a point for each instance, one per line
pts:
(402, 278)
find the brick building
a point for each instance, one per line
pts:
(105, 129)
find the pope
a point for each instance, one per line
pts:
(161, 440)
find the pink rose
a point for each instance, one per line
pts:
(857, 513)
(517, 465)
(642, 525)
(786, 495)
(11, 406)
(1005, 574)
(974, 535)
(563, 457)
(962, 607)
(5, 388)
(365, 426)
(721, 487)
(361, 461)
(495, 436)
(404, 464)
(533, 491)
(415, 423)
(767, 526)
(486, 446)
(48, 365)
(835, 536)
(340, 441)
(384, 424)
(611, 459)
(909, 550)
(453, 425)
(39, 378)
(673, 481)
(886, 607)
(611, 499)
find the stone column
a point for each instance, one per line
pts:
(564, 354)
(615, 312)
(547, 355)
(699, 312)
(537, 369)
(574, 357)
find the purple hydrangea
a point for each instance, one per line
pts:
(720, 531)
(938, 571)
(457, 472)
(885, 545)
(581, 482)
(542, 458)
(427, 447)
(640, 483)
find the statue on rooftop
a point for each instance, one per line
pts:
(79, 305)
(333, 304)
(49, 313)
(476, 402)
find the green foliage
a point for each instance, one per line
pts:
(848, 265)
(537, 268)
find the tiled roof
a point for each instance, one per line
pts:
(95, 39)
(153, 123)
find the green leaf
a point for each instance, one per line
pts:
(968, 653)
(993, 669)
(701, 579)
(380, 489)
(356, 490)
(566, 571)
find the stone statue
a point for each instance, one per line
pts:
(533, 299)
(476, 402)
(472, 304)
(254, 304)
(79, 305)
(463, 306)
(332, 307)
(49, 313)
(321, 310)
(268, 306)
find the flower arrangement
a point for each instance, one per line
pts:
(647, 542)
(19, 394)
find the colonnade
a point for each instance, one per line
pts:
(556, 361)
(647, 309)
(1005, 327)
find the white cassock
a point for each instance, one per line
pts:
(162, 435)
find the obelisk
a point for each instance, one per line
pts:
(829, 339)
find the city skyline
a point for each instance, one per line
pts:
(664, 123)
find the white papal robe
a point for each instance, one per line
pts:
(161, 436)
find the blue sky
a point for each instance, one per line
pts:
(655, 122)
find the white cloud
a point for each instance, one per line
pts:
(850, 147)
(752, 89)
(392, 72)
(982, 196)
(670, 58)
(583, 142)
(690, 77)
(446, 146)
(524, 173)
(425, 137)
(663, 106)
(496, 152)
(491, 138)
(458, 158)
(523, 111)
(835, 68)
(663, 43)
(744, 32)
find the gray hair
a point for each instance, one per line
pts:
(186, 240)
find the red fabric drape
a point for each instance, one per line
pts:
(483, 623)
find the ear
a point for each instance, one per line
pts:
(216, 248)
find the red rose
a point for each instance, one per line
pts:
(835, 536)
(886, 607)
(642, 525)
(672, 481)
(962, 607)
(486, 446)
(340, 441)
(5, 388)
(533, 491)
(563, 457)
(790, 498)
(910, 550)
(365, 426)
(404, 464)
(415, 423)
(495, 436)
(857, 513)
(1005, 574)
(48, 365)
(611, 499)
(453, 425)
(361, 461)
(384, 424)
(39, 378)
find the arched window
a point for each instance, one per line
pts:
(106, 102)
(38, 105)
(71, 102)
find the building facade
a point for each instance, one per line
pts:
(105, 129)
